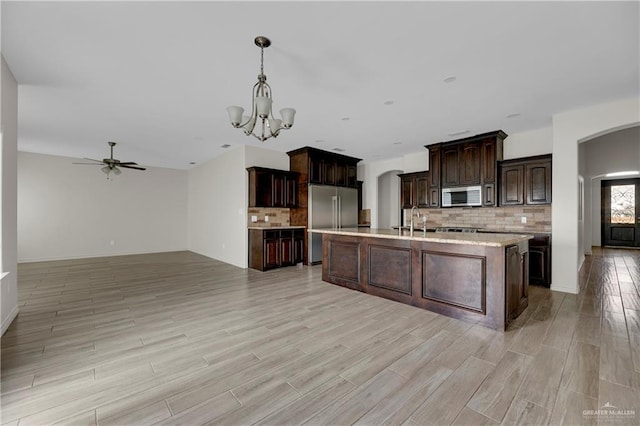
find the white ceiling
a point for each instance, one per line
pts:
(156, 77)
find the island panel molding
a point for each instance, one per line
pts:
(469, 277)
(439, 269)
(390, 268)
(342, 260)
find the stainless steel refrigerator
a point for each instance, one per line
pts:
(330, 207)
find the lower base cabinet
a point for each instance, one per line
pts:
(275, 248)
(516, 274)
(540, 260)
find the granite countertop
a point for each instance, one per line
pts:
(476, 239)
(277, 227)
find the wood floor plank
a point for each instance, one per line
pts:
(523, 412)
(355, 404)
(542, 389)
(570, 409)
(581, 372)
(308, 405)
(494, 397)
(126, 339)
(457, 389)
(468, 417)
(398, 406)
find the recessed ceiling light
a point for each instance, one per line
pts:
(397, 143)
(388, 102)
(192, 162)
(226, 145)
(345, 119)
(515, 114)
(461, 132)
(450, 79)
(338, 149)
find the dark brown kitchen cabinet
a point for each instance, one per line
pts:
(450, 166)
(525, 181)
(512, 185)
(434, 175)
(469, 161)
(324, 167)
(517, 280)
(414, 189)
(272, 188)
(540, 260)
(469, 166)
(275, 248)
(537, 182)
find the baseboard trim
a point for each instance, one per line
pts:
(564, 289)
(93, 256)
(7, 321)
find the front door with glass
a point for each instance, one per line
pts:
(620, 212)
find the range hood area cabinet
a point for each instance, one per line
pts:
(466, 162)
(272, 188)
(317, 167)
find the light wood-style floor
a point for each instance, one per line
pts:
(177, 338)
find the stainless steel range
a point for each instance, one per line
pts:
(457, 229)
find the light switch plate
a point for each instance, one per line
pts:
(254, 218)
(523, 219)
(266, 218)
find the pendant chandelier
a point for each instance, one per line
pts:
(261, 113)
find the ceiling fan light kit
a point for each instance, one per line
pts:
(111, 165)
(261, 106)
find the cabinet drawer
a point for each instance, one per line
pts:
(286, 233)
(271, 234)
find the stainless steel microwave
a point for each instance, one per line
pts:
(462, 197)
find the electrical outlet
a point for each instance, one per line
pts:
(266, 218)
(254, 218)
(523, 219)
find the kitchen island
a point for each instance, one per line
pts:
(479, 278)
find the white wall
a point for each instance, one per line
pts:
(569, 128)
(9, 247)
(70, 211)
(526, 144)
(218, 199)
(389, 199)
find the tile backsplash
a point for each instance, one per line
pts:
(490, 218)
(277, 217)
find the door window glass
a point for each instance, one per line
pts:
(623, 204)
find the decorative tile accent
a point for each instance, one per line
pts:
(277, 217)
(491, 218)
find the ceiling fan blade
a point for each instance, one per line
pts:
(91, 159)
(128, 163)
(89, 164)
(131, 167)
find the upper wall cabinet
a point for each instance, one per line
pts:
(272, 188)
(466, 162)
(525, 181)
(316, 166)
(414, 189)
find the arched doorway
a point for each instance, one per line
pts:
(389, 199)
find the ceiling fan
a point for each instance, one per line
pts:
(111, 165)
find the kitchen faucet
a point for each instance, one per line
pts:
(424, 222)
